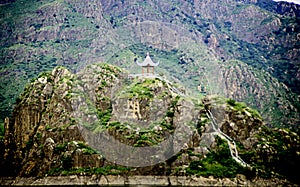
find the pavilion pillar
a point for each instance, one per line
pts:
(147, 66)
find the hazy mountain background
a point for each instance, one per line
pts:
(290, 1)
(247, 50)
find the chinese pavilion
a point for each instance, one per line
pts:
(148, 66)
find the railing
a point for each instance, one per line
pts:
(231, 143)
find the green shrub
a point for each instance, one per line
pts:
(231, 102)
(170, 113)
(60, 148)
(86, 149)
(2, 131)
(104, 116)
(217, 163)
(236, 105)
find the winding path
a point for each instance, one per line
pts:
(231, 143)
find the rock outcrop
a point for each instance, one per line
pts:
(100, 121)
(185, 35)
(142, 180)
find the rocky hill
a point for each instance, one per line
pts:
(101, 121)
(197, 42)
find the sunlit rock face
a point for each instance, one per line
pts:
(185, 35)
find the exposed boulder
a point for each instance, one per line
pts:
(99, 121)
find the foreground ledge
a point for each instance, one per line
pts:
(111, 180)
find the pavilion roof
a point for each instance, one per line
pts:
(148, 62)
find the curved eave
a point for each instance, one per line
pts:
(148, 62)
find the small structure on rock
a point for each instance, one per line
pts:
(148, 66)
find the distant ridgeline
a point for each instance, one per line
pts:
(209, 47)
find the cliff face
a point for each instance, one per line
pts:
(258, 39)
(67, 124)
(43, 99)
(282, 8)
(244, 84)
(268, 34)
(187, 37)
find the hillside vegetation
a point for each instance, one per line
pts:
(82, 124)
(253, 58)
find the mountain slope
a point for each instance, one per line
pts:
(195, 41)
(83, 124)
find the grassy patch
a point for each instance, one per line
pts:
(218, 163)
(2, 130)
(140, 89)
(86, 149)
(60, 148)
(239, 106)
(236, 105)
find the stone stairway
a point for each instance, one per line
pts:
(231, 143)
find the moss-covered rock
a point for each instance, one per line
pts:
(56, 120)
